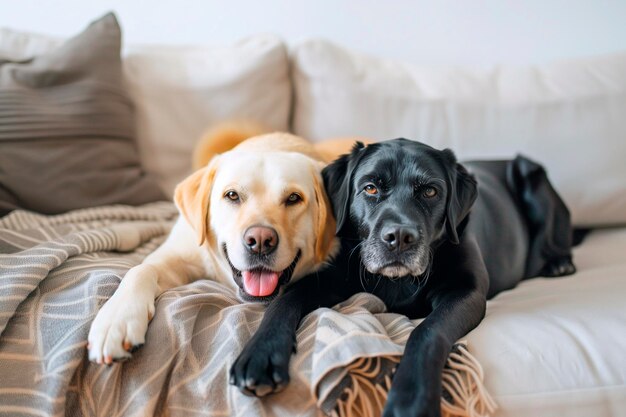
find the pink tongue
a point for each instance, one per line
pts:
(259, 284)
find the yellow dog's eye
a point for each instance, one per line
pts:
(371, 189)
(429, 192)
(232, 196)
(293, 198)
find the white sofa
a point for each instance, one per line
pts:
(550, 347)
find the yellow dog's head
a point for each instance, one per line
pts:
(264, 217)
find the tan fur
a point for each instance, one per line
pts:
(223, 138)
(326, 225)
(235, 135)
(192, 197)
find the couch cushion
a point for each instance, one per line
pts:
(181, 91)
(568, 115)
(555, 347)
(67, 128)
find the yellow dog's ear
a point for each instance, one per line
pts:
(325, 226)
(193, 197)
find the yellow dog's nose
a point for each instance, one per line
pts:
(261, 240)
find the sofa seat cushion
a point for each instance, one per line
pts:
(556, 347)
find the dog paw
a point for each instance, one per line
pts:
(119, 328)
(262, 368)
(558, 267)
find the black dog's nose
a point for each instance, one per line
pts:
(260, 240)
(399, 238)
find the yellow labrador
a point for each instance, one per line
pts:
(255, 218)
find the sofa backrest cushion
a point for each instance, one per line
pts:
(570, 116)
(182, 91)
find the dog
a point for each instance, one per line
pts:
(431, 240)
(254, 217)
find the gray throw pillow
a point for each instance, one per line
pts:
(67, 135)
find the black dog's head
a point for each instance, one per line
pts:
(400, 198)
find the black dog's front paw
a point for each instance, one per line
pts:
(405, 405)
(262, 368)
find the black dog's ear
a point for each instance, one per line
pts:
(462, 193)
(338, 182)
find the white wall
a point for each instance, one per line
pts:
(478, 32)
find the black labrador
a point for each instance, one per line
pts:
(431, 240)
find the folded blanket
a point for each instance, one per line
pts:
(56, 271)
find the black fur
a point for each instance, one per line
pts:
(439, 256)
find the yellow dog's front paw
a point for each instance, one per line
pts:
(120, 328)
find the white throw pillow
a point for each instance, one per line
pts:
(179, 91)
(570, 115)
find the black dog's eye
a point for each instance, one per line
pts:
(232, 196)
(371, 189)
(294, 198)
(429, 192)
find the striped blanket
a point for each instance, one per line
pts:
(55, 273)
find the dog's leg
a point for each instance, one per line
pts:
(121, 324)
(262, 367)
(458, 306)
(548, 218)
